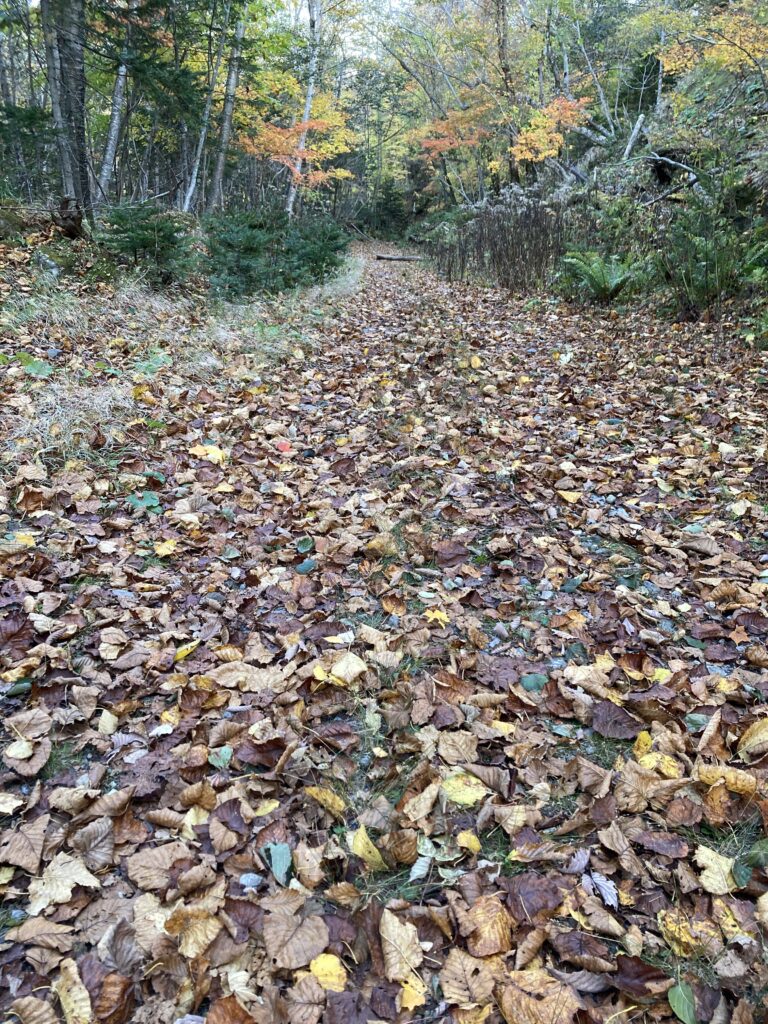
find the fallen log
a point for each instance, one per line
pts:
(399, 259)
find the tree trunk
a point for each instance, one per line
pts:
(116, 117)
(216, 196)
(55, 86)
(200, 148)
(314, 60)
(71, 45)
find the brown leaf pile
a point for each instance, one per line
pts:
(421, 678)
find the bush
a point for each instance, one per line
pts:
(157, 241)
(513, 244)
(263, 251)
(602, 278)
(701, 259)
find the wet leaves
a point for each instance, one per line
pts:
(397, 683)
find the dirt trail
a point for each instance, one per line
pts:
(417, 674)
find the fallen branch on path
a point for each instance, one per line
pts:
(400, 259)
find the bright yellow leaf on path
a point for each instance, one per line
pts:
(361, 845)
(463, 789)
(436, 615)
(210, 452)
(330, 972)
(185, 650)
(164, 548)
(328, 799)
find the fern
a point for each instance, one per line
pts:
(603, 279)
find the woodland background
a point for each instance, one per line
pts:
(601, 148)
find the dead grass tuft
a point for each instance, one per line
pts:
(65, 417)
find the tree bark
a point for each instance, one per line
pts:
(71, 45)
(116, 117)
(314, 60)
(55, 86)
(216, 195)
(200, 148)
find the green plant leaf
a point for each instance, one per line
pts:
(683, 1004)
(758, 855)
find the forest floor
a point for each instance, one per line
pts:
(401, 660)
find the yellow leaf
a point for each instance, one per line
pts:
(27, 540)
(642, 745)
(360, 844)
(330, 972)
(347, 669)
(210, 452)
(165, 547)
(604, 662)
(436, 615)
(717, 874)
(468, 841)
(463, 789)
(687, 936)
(171, 716)
(734, 780)
(107, 723)
(664, 764)
(414, 991)
(754, 742)
(475, 362)
(320, 673)
(505, 728)
(265, 807)
(328, 799)
(570, 496)
(21, 749)
(194, 817)
(185, 650)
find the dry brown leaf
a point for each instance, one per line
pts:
(491, 925)
(57, 882)
(95, 843)
(195, 927)
(400, 944)
(535, 997)
(38, 931)
(30, 1010)
(73, 995)
(293, 943)
(149, 868)
(23, 846)
(466, 980)
(306, 1001)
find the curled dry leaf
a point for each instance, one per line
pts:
(73, 995)
(95, 843)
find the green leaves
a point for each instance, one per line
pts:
(683, 1004)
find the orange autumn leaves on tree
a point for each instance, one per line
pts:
(543, 135)
(328, 137)
(459, 129)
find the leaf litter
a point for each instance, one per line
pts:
(420, 675)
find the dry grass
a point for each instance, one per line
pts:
(106, 342)
(65, 417)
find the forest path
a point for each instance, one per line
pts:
(435, 612)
